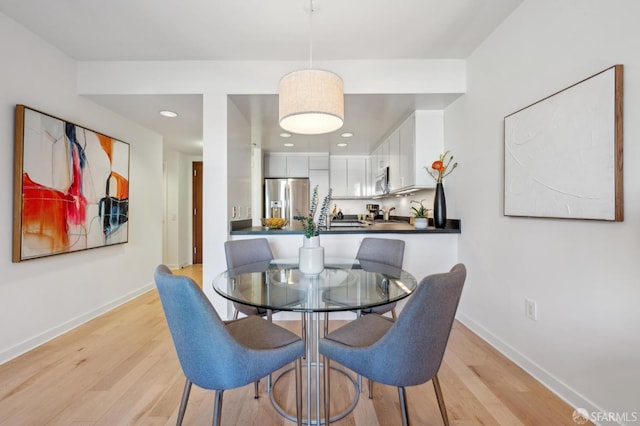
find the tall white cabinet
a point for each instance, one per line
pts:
(319, 174)
(423, 144)
(411, 147)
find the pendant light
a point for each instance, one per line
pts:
(311, 101)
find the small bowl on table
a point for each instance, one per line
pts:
(274, 222)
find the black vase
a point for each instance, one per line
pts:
(439, 207)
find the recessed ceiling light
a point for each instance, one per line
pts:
(285, 135)
(341, 144)
(167, 113)
(288, 144)
(346, 134)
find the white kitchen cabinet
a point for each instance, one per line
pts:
(406, 161)
(321, 179)
(319, 174)
(428, 146)
(395, 178)
(275, 166)
(381, 154)
(298, 166)
(338, 176)
(357, 176)
(319, 162)
(278, 165)
(421, 141)
(348, 176)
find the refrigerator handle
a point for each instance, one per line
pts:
(287, 202)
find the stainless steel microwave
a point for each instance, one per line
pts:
(382, 181)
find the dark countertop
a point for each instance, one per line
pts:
(395, 226)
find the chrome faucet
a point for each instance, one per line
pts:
(386, 213)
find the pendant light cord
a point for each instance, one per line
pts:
(310, 34)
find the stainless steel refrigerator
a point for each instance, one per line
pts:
(286, 198)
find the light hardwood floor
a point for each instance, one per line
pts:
(121, 369)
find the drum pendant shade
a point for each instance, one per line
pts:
(311, 102)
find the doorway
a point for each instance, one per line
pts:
(197, 211)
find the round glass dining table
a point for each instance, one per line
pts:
(343, 285)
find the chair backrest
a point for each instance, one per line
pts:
(416, 342)
(244, 252)
(209, 356)
(382, 250)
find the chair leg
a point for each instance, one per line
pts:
(443, 409)
(299, 391)
(326, 369)
(370, 389)
(217, 408)
(393, 314)
(304, 334)
(183, 404)
(403, 406)
(256, 384)
(326, 323)
(235, 314)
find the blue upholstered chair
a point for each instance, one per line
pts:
(244, 252)
(388, 252)
(217, 355)
(406, 352)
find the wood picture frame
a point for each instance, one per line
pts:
(71, 187)
(563, 154)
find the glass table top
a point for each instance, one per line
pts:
(344, 284)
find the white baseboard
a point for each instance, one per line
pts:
(563, 391)
(56, 331)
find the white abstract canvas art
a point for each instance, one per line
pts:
(563, 154)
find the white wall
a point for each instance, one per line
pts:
(584, 275)
(172, 190)
(239, 150)
(42, 298)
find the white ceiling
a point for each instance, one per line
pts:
(261, 30)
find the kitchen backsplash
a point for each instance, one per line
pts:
(402, 204)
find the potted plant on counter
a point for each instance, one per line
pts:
(420, 220)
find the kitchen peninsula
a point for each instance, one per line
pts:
(427, 251)
(396, 226)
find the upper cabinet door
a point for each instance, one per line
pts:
(357, 176)
(275, 166)
(319, 162)
(407, 152)
(338, 176)
(298, 166)
(428, 145)
(319, 178)
(348, 176)
(395, 181)
(279, 166)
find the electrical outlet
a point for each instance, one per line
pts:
(234, 212)
(531, 309)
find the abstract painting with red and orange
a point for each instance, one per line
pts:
(75, 187)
